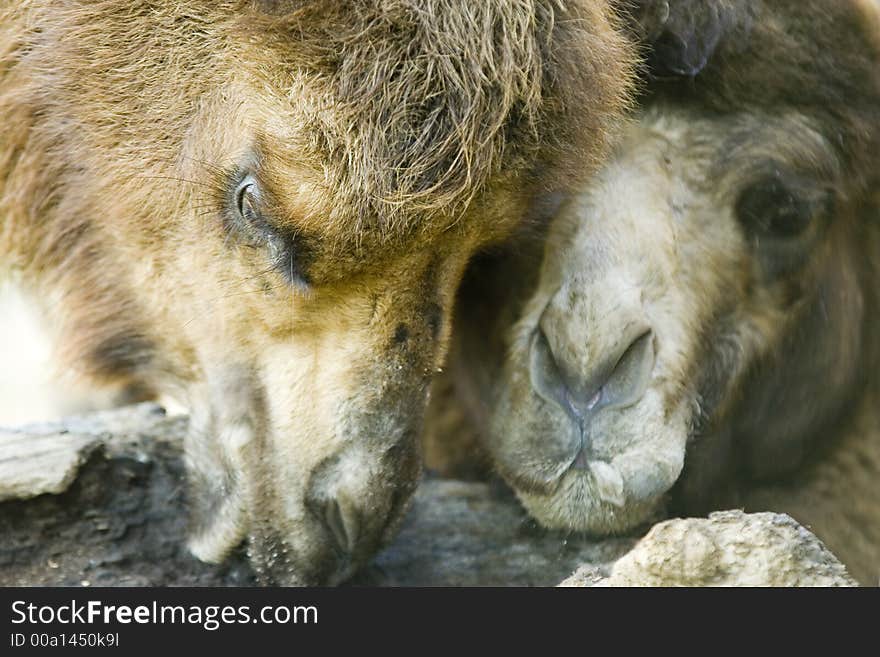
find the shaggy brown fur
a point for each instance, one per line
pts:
(264, 208)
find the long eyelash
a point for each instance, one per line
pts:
(242, 203)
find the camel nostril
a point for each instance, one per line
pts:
(630, 376)
(618, 381)
(335, 507)
(544, 372)
(342, 519)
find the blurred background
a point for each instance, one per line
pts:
(25, 355)
(32, 388)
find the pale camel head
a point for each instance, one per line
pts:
(707, 305)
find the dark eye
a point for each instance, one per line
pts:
(246, 199)
(773, 208)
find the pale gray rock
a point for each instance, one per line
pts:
(730, 548)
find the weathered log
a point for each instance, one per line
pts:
(118, 517)
(101, 500)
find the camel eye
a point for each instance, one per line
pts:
(773, 208)
(246, 199)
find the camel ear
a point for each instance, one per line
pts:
(682, 35)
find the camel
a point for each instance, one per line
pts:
(699, 328)
(263, 209)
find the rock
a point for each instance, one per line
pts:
(730, 548)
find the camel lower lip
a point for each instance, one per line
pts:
(609, 483)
